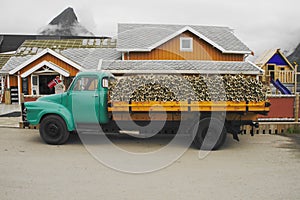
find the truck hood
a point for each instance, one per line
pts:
(55, 98)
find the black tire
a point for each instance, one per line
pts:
(211, 134)
(53, 130)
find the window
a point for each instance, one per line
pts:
(105, 82)
(86, 84)
(186, 44)
(34, 85)
(24, 85)
(271, 67)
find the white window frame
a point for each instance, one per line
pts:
(186, 39)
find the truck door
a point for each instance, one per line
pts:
(84, 97)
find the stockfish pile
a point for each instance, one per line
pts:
(141, 88)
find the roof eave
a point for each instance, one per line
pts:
(257, 67)
(4, 72)
(180, 72)
(134, 50)
(149, 50)
(237, 52)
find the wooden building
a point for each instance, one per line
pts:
(179, 42)
(139, 48)
(37, 62)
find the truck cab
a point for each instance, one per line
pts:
(84, 102)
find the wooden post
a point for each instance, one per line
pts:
(297, 108)
(295, 79)
(22, 99)
(7, 97)
(22, 122)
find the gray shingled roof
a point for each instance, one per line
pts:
(143, 36)
(13, 62)
(180, 66)
(87, 58)
(4, 58)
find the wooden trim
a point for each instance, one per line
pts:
(51, 59)
(42, 54)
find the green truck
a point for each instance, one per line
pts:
(87, 105)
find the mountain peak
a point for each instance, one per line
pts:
(65, 24)
(295, 56)
(66, 17)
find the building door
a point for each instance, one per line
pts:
(39, 84)
(43, 84)
(271, 70)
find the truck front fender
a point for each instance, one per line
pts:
(35, 111)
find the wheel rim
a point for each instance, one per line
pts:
(53, 130)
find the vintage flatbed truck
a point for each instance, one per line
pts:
(86, 105)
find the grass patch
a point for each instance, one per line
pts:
(293, 130)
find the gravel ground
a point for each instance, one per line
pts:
(259, 167)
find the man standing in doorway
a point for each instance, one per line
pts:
(59, 87)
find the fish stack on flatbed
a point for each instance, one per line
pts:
(143, 88)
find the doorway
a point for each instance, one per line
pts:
(43, 84)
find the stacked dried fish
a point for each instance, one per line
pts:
(142, 88)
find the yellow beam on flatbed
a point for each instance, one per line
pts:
(185, 106)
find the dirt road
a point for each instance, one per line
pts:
(259, 167)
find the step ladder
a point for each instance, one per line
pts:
(2, 87)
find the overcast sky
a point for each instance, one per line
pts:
(260, 24)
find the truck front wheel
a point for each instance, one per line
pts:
(53, 130)
(211, 134)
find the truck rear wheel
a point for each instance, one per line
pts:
(211, 134)
(53, 130)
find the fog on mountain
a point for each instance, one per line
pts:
(65, 24)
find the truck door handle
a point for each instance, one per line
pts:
(95, 95)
